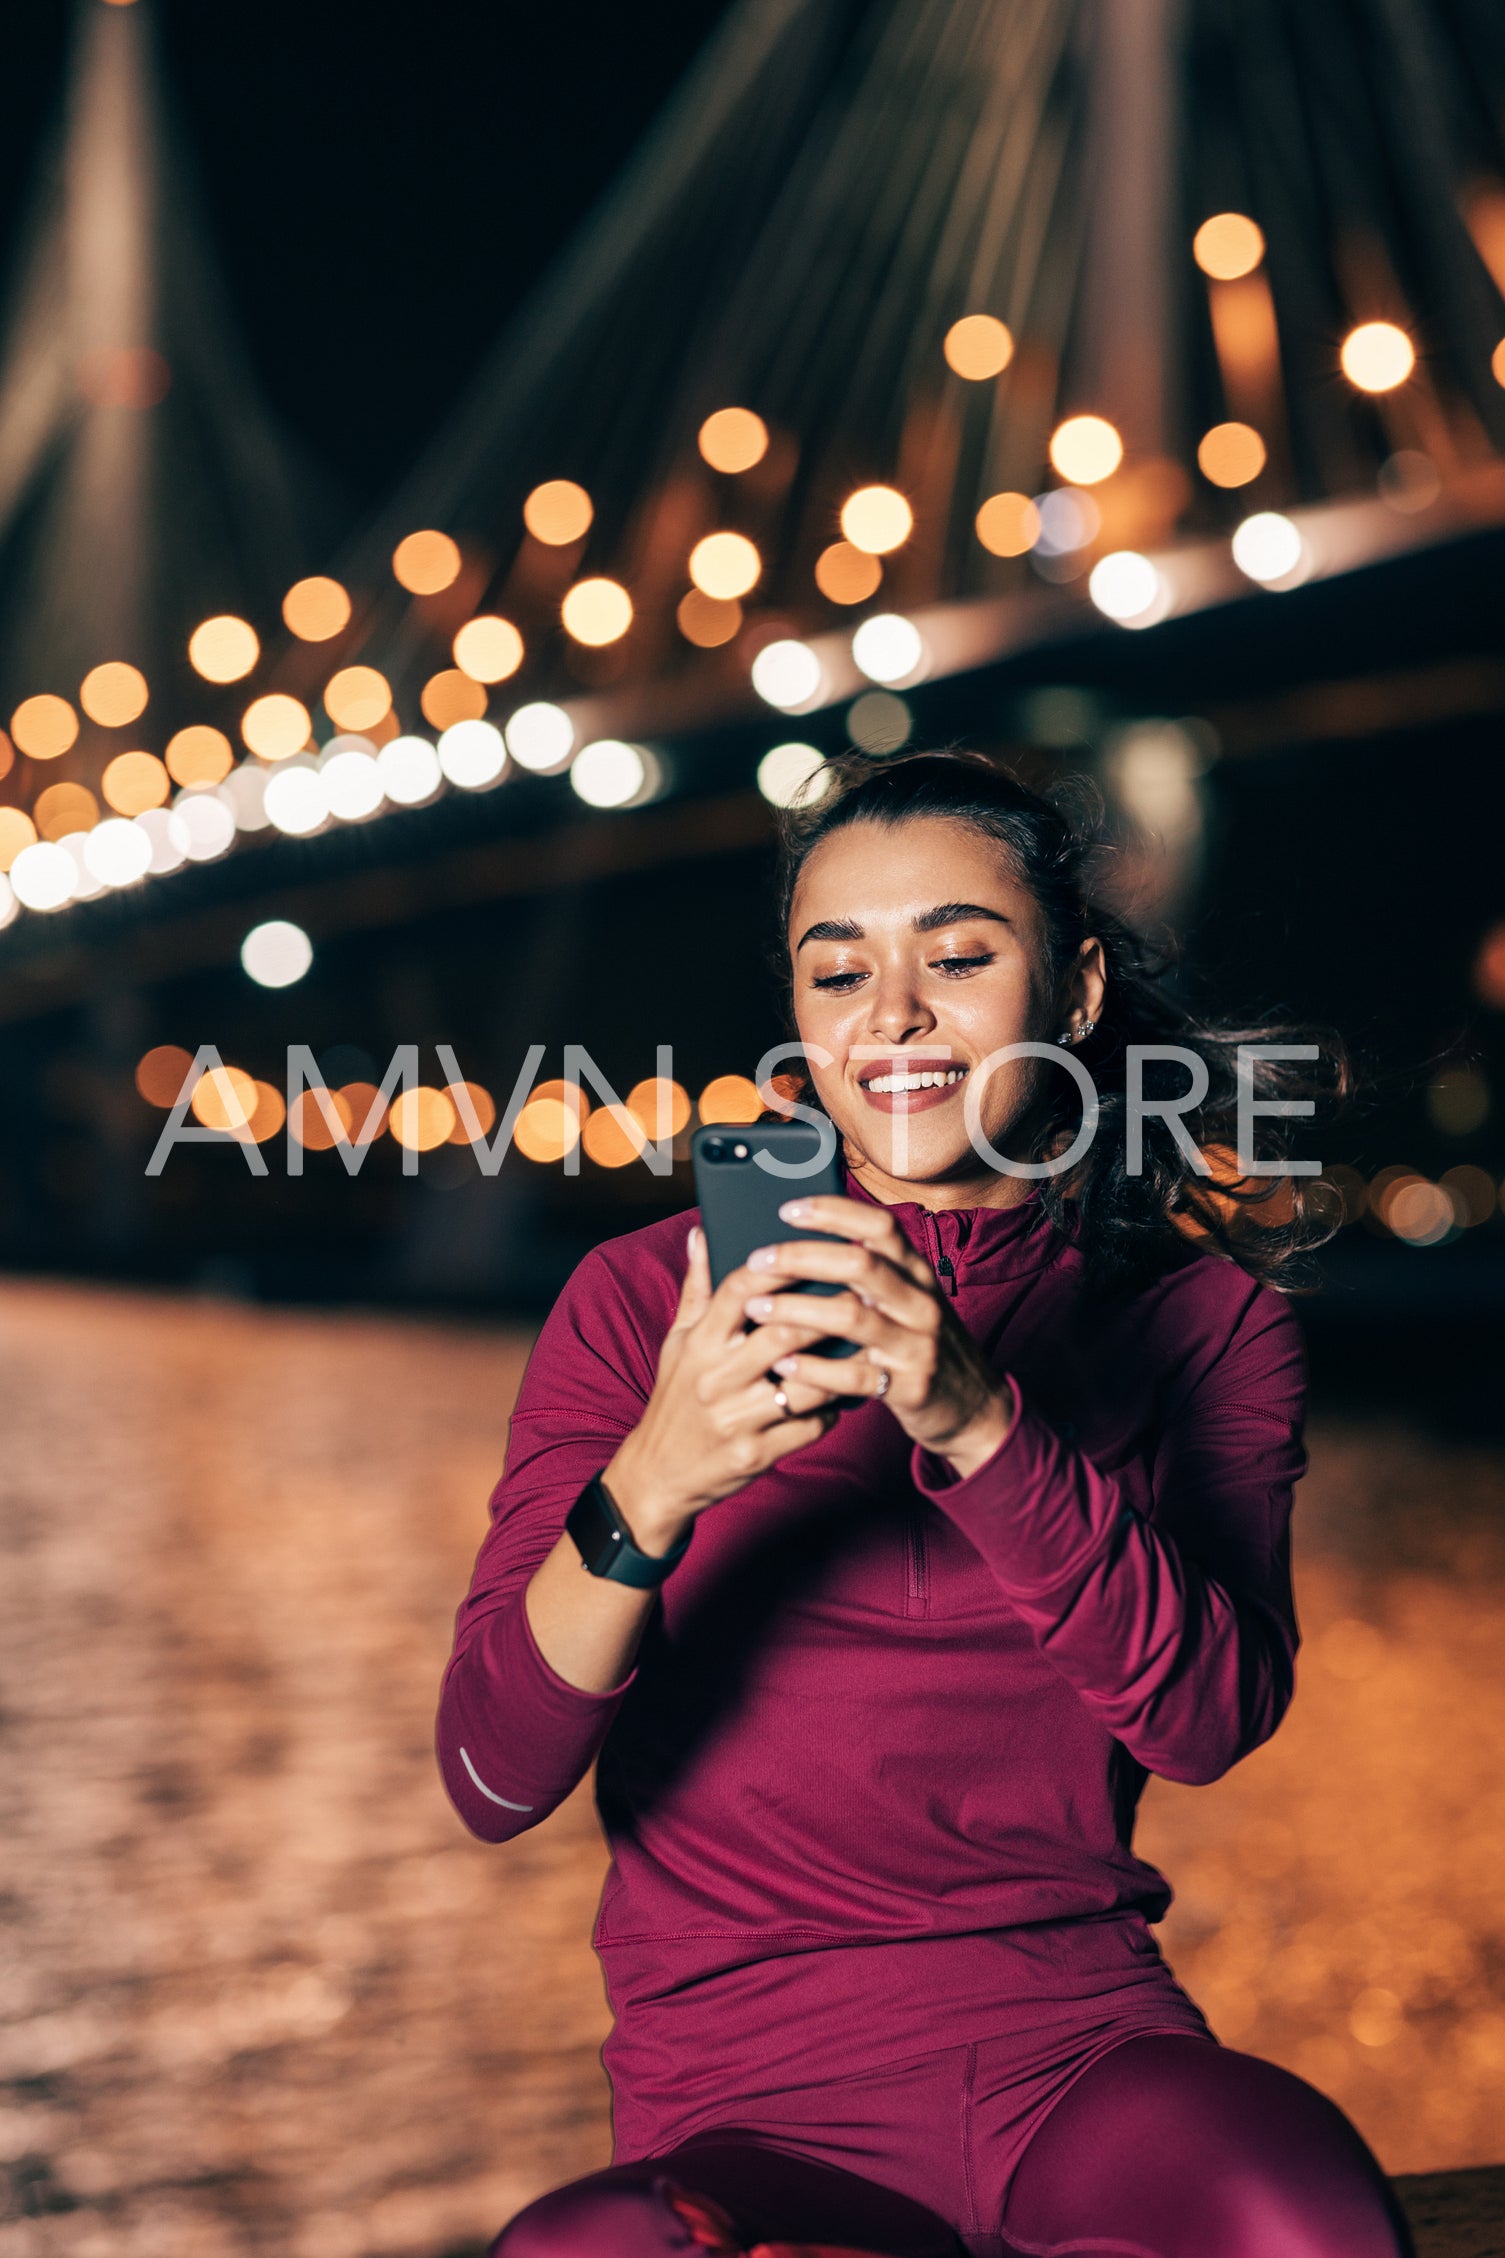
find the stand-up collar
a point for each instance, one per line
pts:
(998, 1241)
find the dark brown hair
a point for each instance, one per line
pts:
(1128, 1226)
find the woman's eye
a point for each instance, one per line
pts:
(837, 981)
(963, 964)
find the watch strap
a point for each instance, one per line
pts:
(605, 1543)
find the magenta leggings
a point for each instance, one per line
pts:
(1167, 2146)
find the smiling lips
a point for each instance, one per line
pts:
(911, 1088)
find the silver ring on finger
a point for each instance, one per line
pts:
(884, 1378)
(781, 1398)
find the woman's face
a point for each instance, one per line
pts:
(917, 954)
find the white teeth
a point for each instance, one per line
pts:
(888, 1085)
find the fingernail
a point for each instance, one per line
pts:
(760, 1306)
(794, 1211)
(761, 1258)
(786, 1364)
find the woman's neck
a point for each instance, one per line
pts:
(988, 1187)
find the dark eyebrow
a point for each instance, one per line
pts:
(928, 921)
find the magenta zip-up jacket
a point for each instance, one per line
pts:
(878, 1705)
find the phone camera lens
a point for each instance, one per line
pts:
(715, 1148)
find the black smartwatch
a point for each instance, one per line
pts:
(604, 1541)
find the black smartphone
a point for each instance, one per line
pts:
(740, 1198)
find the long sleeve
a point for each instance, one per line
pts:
(514, 1738)
(1177, 1627)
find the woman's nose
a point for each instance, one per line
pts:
(898, 1014)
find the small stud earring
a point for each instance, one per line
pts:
(1077, 1034)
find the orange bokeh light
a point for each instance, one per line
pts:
(1231, 454)
(546, 1129)
(1227, 246)
(661, 1107)
(134, 782)
(16, 831)
(113, 694)
(725, 565)
(315, 609)
(483, 1105)
(613, 1137)
(1085, 449)
(161, 1073)
(707, 622)
(200, 755)
(424, 563)
(450, 697)
(421, 1119)
(63, 808)
(845, 575)
(1377, 356)
(223, 649)
(597, 612)
(730, 1097)
(1008, 524)
(44, 727)
(357, 698)
(733, 439)
(276, 726)
(876, 519)
(321, 1119)
(978, 346)
(488, 648)
(558, 512)
(224, 1097)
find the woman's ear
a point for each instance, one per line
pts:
(1088, 986)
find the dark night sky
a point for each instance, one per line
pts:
(382, 183)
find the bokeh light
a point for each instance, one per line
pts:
(1408, 481)
(422, 1118)
(613, 1137)
(451, 696)
(482, 1108)
(86, 887)
(63, 808)
(113, 694)
(787, 674)
(315, 609)
(7, 754)
(888, 647)
(321, 1119)
(1231, 454)
(876, 519)
(845, 575)
(426, 563)
(16, 831)
(409, 770)
(117, 853)
(609, 773)
(276, 726)
(1126, 587)
(730, 1097)
(161, 1073)
(1069, 520)
(558, 512)
(1489, 968)
(1268, 547)
(548, 1126)
(42, 876)
(295, 799)
(1497, 362)
(661, 1107)
(168, 836)
(1008, 524)
(358, 697)
(1377, 356)
(1472, 1192)
(472, 754)
(201, 755)
(540, 736)
(1419, 1212)
(1085, 450)
(978, 346)
(596, 612)
(268, 1113)
(708, 621)
(133, 782)
(725, 565)
(244, 793)
(351, 779)
(224, 1098)
(1228, 245)
(488, 648)
(223, 649)
(205, 825)
(364, 1107)
(792, 775)
(733, 439)
(878, 722)
(44, 727)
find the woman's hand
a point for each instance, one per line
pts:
(940, 1387)
(713, 1422)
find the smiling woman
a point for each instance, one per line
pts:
(878, 1653)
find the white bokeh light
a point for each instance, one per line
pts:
(117, 853)
(208, 827)
(296, 800)
(472, 754)
(409, 770)
(167, 837)
(888, 647)
(540, 736)
(609, 773)
(43, 875)
(352, 783)
(1268, 547)
(8, 903)
(276, 954)
(1126, 587)
(1069, 519)
(86, 887)
(788, 675)
(792, 775)
(244, 792)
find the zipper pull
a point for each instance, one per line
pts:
(946, 1268)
